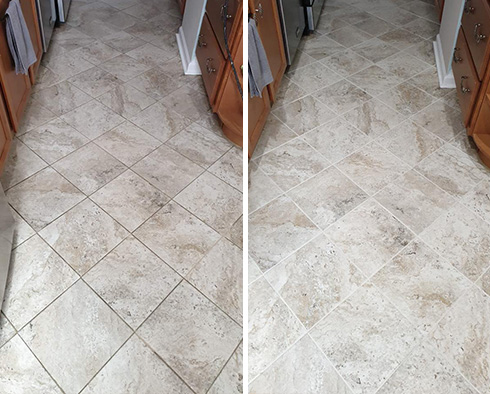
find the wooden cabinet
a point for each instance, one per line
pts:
(181, 4)
(258, 111)
(5, 133)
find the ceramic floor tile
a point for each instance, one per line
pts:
(320, 47)
(136, 369)
(230, 379)
(346, 62)
(374, 26)
(89, 168)
(441, 119)
(428, 81)
(65, 65)
(313, 77)
(61, 98)
(375, 80)
(54, 140)
(400, 38)
(123, 42)
(46, 78)
(403, 65)
(95, 81)
(216, 277)
(301, 59)
(34, 116)
(423, 28)
(7, 331)
(327, 196)
(349, 36)
(150, 55)
(302, 369)
(177, 237)
(369, 236)
(462, 336)
(424, 50)
(188, 102)
(342, 96)
(423, 9)
(467, 145)
(406, 99)
(288, 92)
(292, 163)
(462, 238)
(130, 199)
(126, 100)
(93, 119)
(200, 145)
(230, 168)
(37, 276)
(421, 285)
(132, 280)
(416, 201)
(484, 282)
(20, 372)
(272, 327)
(83, 235)
(274, 134)
(410, 142)
(22, 231)
(124, 67)
(74, 349)
(43, 197)
(97, 53)
(155, 83)
(375, 50)
(261, 189)
(478, 200)
(304, 114)
(276, 230)
(365, 360)
(192, 335)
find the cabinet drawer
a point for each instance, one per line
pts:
(214, 10)
(467, 83)
(210, 58)
(476, 26)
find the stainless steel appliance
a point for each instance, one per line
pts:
(313, 9)
(46, 10)
(63, 7)
(6, 237)
(293, 25)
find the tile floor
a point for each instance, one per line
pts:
(369, 226)
(126, 272)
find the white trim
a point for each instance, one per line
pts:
(446, 77)
(191, 66)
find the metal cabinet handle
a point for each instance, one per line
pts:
(463, 89)
(209, 68)
(200, 43)
(259, 10)
(228, 16)
(478, 37)
(456, 58)
(467, 8)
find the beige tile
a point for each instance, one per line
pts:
(95, 81)
(150, 55)
(346, 62)
(274, 134)
(329, 23)
(406, 99)
(400, 38)
(423, 50)
(423, 28)
(121, 42)
(425, 10)
(441, 119)
(320, 47)
(349, 36)
(374, 26)
(126, 100)
(229, 168)
(288, 92)
(22, 230)
(124, 67)
(478, 200)
(375, 50)
(70, 38)
(97, 53)
(192, 335)
(230, 379)
(342, 96)
(34, 116)
(375, 80)
(403, 65)
(188, 102)
(428, 81)
(261, 189)
(155, 83)
(314, 77)
(61, 98)
(484, 282)
(7, 331)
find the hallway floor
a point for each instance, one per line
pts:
(369, 218)
(128, 203)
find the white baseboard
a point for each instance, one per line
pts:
(446, 78)
(190, 64)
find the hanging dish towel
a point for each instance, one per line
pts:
(18, 38)
(259, 71)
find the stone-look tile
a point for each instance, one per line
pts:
(463, 239)
(374, 26)
(126, 100)
(34, 116)
(410, 142)
(124, 67)
(421, 285)
(352, 15)
(254, 271)
(423, 28)
(22, 230)
(304, 114)
(288, 92)
(329, 23)
(261, 189)
(372, 167)
(466, 144)
(272, 327)
(292, 163)
(406, 99)
(167, 170)
(349, 36)
(327, 196)
(375, 80)
(63, 65)
(89, 168)
(54, 140)
(403, 65)
(130, 199)
(95, 81)
(320, 47)
(346, 62)
(428, 81)
(484, 282)
(478, 200)
(122, 42)
(375, 50)
(235, 233)
(369, 236)
(342, 96)
(147, 31)
(61, 98)
(20, 372)
(441, 119)
(301, 59)
(213, 201)
(416, 201)
(426, 371)
(177, 237)
(132, 280)
(37, 276)
(127, 143)
(188, 102)
(463, 337)
(218, 276)
(313, 77)
(452, 170)
(46, 78)
(423, 50)
(336, 139)
(84, 235)
(276, 230)
(200, 145)
(21, 164)
(92, 119)
(155, 83)
(315, 374)
(400, 38)
(230, 168)
(150, 55)
(135, 369)
(274, 134)
(315, 279)
(160, 121)
(7, 331)
(374, 117)
(230, 379)
(423, 9)
(366, 338)
(43, 197)
(73, 349)
(192, 335)
(97, 53)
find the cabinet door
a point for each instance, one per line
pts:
(5, 133)
(268, 24)
(30, 15)
(258, 111)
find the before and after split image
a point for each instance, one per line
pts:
(244, 197)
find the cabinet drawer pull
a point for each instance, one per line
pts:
(228, 16)
(463, 89)
(259, 10)
(200, 43)
(209, 68)
(478, 37)
(468, 9)
(456, 58)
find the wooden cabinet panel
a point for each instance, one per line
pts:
(258, 111)
(214, 10)
(5, 133)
